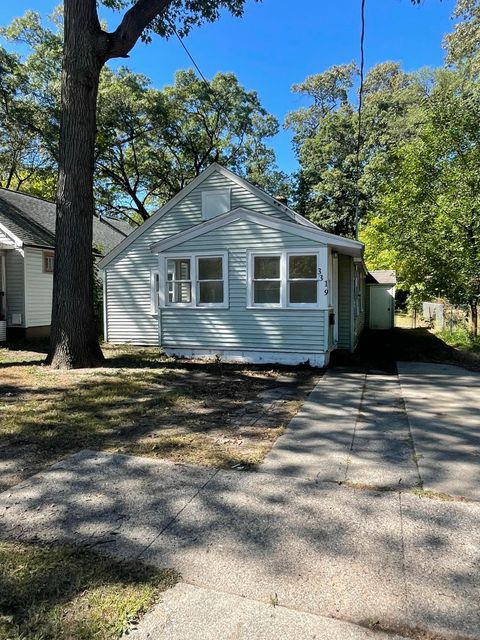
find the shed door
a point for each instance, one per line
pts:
(381, 307)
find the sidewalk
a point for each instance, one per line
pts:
(311, 547)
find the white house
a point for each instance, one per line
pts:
(27, 256)
(225, 269)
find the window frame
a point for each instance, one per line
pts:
(45, 256)
(284, 255)
(195, 294)
(252, 280)
(154, 292)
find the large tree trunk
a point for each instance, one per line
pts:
(74, 339)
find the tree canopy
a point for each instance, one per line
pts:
(150, 142)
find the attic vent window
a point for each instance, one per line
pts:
(214, 203)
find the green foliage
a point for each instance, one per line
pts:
(150, 143)
(326, 138)
(429, 222)
(29, 109)
(185, 14)
(418, 179)
(463, 44)
(460, 338)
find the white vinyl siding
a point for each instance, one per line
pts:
(38, 289)
(238, 327)
(128, 284)
(14, 267)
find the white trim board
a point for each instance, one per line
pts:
(351, 247)
(185, 192)
(15, 241)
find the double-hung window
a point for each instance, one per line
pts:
(302, 279)
(267, 280)
(210, 281)
(194, 280)
(288, 279)
(179, 281)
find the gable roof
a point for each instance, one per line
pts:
(350, 247)
(30, 221)
(214, 167)
(382, 276)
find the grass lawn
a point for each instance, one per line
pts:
(61, 593)
(142, 403)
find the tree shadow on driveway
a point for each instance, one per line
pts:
(318, 547)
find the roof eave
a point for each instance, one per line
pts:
(344, 245)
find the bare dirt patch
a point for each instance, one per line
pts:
(143, 403)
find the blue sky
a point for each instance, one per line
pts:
(280, 42)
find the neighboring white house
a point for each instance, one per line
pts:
(224, 269)
(27, 253)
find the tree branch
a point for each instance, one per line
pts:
(134, 22)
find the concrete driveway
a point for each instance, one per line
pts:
(443, 409)
(389, 560)
(417, 429)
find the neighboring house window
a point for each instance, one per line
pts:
(214, 203)
(154, 291)
(48, 261)
(287, 279)
(195, 280)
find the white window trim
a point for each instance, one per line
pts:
(48, 255)
(154, 297)
(215, 192)
(193, 257)
(323, 286)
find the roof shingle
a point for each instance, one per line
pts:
(32, 220)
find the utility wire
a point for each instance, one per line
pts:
(189, 54)
(360, 105)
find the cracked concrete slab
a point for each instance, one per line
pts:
(187, 612)
(443, 407)
(382, 451)
(442, 565)
(326, 550)
(119, 502)
(317, 441)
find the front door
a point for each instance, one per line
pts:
(381, 307)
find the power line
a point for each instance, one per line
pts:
(189, 54)
(360, 105)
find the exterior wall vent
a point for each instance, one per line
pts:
(16, 319)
